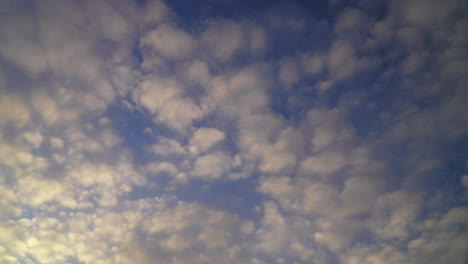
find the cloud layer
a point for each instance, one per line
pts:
(160, 132)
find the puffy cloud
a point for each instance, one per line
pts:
(280, 236)
(224, 38)
(465, 181)
(13, 109)
(8, 204)
(258, 39)
(358, 195)
(204, 138)
(170, 41)
(167, 147)
(130, 132)
(324, 164)
(212, 166)
(21, 48)
(394, 213)
(342, 60)
(163, 167)
(38, 191)
(33, 138)
(350, 19)
(240, 94)
(163, 98)
(155, 11)
(153, 94)
(197, 71)
(267, 139)
(312, 64)
(47, 107)
(179, 113)
(426, 13)
(289, 73)
(329, 127)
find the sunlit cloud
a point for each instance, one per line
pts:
(328, 132)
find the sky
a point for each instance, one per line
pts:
(236, 132)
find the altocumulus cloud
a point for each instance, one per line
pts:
(326, 132)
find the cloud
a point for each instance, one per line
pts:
(238, 94)
(465, 181)
(323, 164)
(197, 71)
(212, 166)
(289, 73)
(162, 97)
(312, 64)
(38, 191)
(224, 38)
(425, 14)
(204, 138)
(258, 39)
(13, 109)
(266, 139)
(155, 12)
(351, 19)
(170, 41)
(166, 147)
(232, 133)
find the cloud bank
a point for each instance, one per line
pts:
(147, 132)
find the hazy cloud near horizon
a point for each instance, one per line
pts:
(331, 132)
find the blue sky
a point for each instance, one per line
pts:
(190, 132)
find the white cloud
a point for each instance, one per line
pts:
(204, 138)
(12, 156)
(312, 64)
(412, 64)
(167, 147)
(155, 11)
(394, 213)
(350, 20)
(8, 203)
(278, 237)
(153, 94)
(32, 138)
(258, 39)
(358, 195)
(212, 166)
(161, 167)
(13, 109)
(163, 98)
(238, 95)
(36, 191)
(289, 73)
(224, 38)
(19, 44)
(328, 171)
(328, 128)
(179, 113)
(47, 107)
(273, 237)
(321, 199)
(274, 162)
(277, 186)
(424, 14)
(464, 181)
(324, 164)
(342, 60)
(267, 139)
(170, 41)
(197, 71)
(111, 23)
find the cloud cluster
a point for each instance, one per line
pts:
(131, 131)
